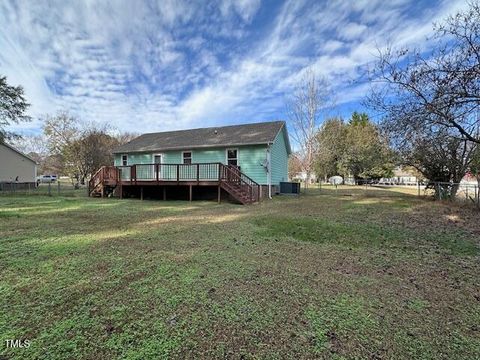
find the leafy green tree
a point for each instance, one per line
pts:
(359, 119)
(13, 107)
(356, 148)
(367, 154)
(331, 139)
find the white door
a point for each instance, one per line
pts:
(157, 159)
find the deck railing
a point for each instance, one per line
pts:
(171, 172)
(229, 177)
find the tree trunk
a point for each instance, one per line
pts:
(307, 179)
(454, 190)
(478, 191)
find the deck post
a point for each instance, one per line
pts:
(191, 193)
(219, 193)
(118, 182)
(198, 173)
(141, 192)
(164, 193)
(178, 174)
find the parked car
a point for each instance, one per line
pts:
(46, 179)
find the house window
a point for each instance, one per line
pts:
(187, 157)
(232, 157)
(124, 160)
(157, 158)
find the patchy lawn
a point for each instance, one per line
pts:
(348, 274)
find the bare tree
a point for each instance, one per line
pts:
(31, 144)
(294, 165)
(305, 107)
(430, 101)
(83, 147)
(440, 88)
(125, 137)
(440, 157)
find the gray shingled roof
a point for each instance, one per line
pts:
(234, 135)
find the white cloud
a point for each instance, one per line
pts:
(246, 9)
(146, 66)
(351, 31)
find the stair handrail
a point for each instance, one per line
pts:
(99, 175)
(227, 173)
(91, 183)
(237, 170)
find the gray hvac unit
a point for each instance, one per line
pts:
(289, 188)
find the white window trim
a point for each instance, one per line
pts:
(191, 156)
(158, 154)
(226, 156)
(126, 160)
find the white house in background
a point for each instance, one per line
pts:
(302, 176)
(400, 177)
(16, 167)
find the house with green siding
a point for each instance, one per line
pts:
(236, 159)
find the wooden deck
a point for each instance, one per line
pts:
(113, 179)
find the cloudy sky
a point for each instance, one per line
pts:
(172, 64)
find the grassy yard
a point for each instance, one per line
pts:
(335, 275)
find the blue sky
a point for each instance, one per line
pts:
(145, 66)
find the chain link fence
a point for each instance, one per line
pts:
(57, 188)
(464, 192)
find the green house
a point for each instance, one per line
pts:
(240, 159)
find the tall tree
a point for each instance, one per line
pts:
(13, 107)
(61, 130)
(367, 154)
(439, 89)
(331, 145)
(82, 147)
(439, 157)
(304, 109)
(356, 148)
(95, 149)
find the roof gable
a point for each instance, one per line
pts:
(233, 135)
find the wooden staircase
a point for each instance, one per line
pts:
(238, 185)
(103, 182)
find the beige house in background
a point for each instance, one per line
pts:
(16, 166)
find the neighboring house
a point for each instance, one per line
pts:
(238, 158)
(302, 176)
(400, 177)
(16, 168)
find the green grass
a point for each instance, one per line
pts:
(332, 274)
